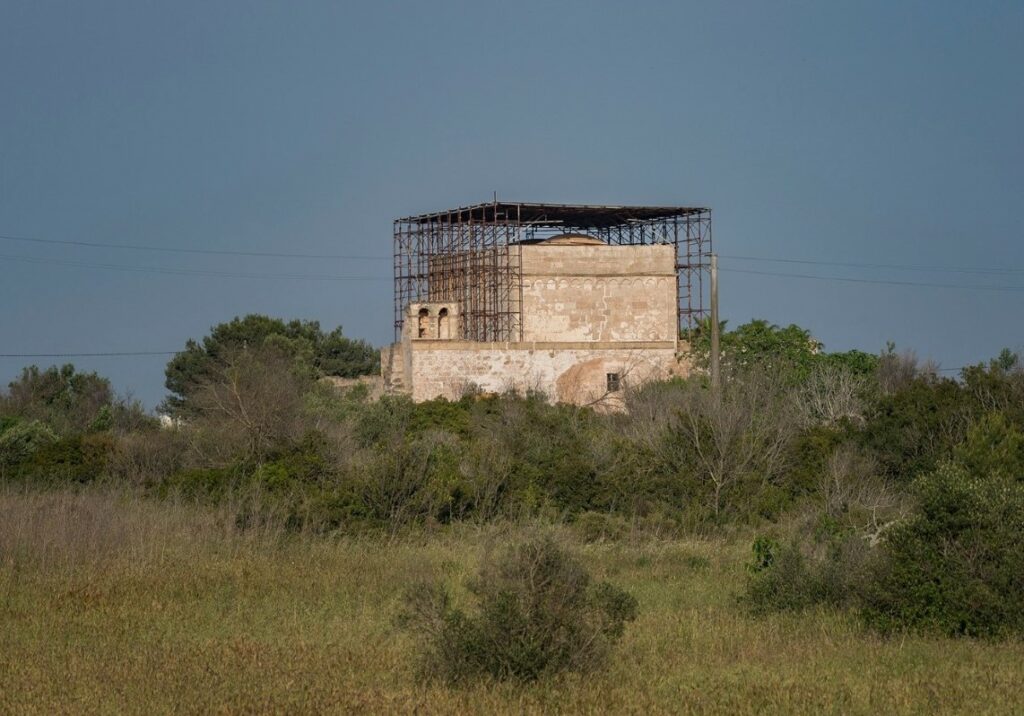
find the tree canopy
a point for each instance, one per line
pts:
(69, 401)
(315, 352)
(790, 349)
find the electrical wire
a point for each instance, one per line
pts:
(920, 284)
(360, 257)
(175, 250)
(211, 273)
(898, 267)
(189, 272)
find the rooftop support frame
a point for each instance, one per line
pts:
(472, 256)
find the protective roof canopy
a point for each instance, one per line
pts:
(574, 215)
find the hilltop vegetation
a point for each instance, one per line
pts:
(309, 350)
(865, 494)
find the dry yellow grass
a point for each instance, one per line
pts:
(113, 604)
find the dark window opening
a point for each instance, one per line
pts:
(614, 384)
(424, 318)
(443, 327)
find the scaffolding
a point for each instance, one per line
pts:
(472, 256)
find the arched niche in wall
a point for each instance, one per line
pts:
(444, 327)
(423, 323)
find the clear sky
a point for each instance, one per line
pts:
(873, 133)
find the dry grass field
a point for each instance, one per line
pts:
(110, 603)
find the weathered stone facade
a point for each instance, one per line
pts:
(599, 293)
(595, 319)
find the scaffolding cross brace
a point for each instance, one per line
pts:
(472, 256)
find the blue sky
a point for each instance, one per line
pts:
(881, 133)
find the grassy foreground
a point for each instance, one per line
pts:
(110, 603)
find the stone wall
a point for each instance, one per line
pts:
(394, 368)
(599, 293)
(565, 372)
(374, 384)
(597, 320)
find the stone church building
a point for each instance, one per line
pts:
(579, 303)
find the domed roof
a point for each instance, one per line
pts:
(573, 240)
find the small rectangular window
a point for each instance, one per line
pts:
(613, 382)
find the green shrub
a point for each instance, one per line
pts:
(999, 386)
(554, 463)
(953, 567)
(781, 580)
(911, 430)
(827, 567)
(407, 480)
(809, 458)
(21, 439)
(304, 462)
(538, 613)
(385, 419)
(956, 567)
(210, 484)
(79, 458)
(993, 446)
(441, 414)
(68, 401)
(148, 458)
(600, 526)
(313, 352)
(791, 350)
(765, 550)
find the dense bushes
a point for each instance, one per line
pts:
(68, 402)
(537, 612)
(918, 509)
(65, 400)
(956, 566)
(953, 566)
(308, 348)
(21, 439)
(895, 492)
(59, 425)
(912, 429)
(827, 567)
(790, 352)
(76, 458)
(779, 434)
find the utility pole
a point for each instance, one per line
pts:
(716, 375)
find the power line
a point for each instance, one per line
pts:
(190, 272)
(321, 277)
(174, 250)
(899, 267)
(360, 257)
(920, 284)
(328, 277)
